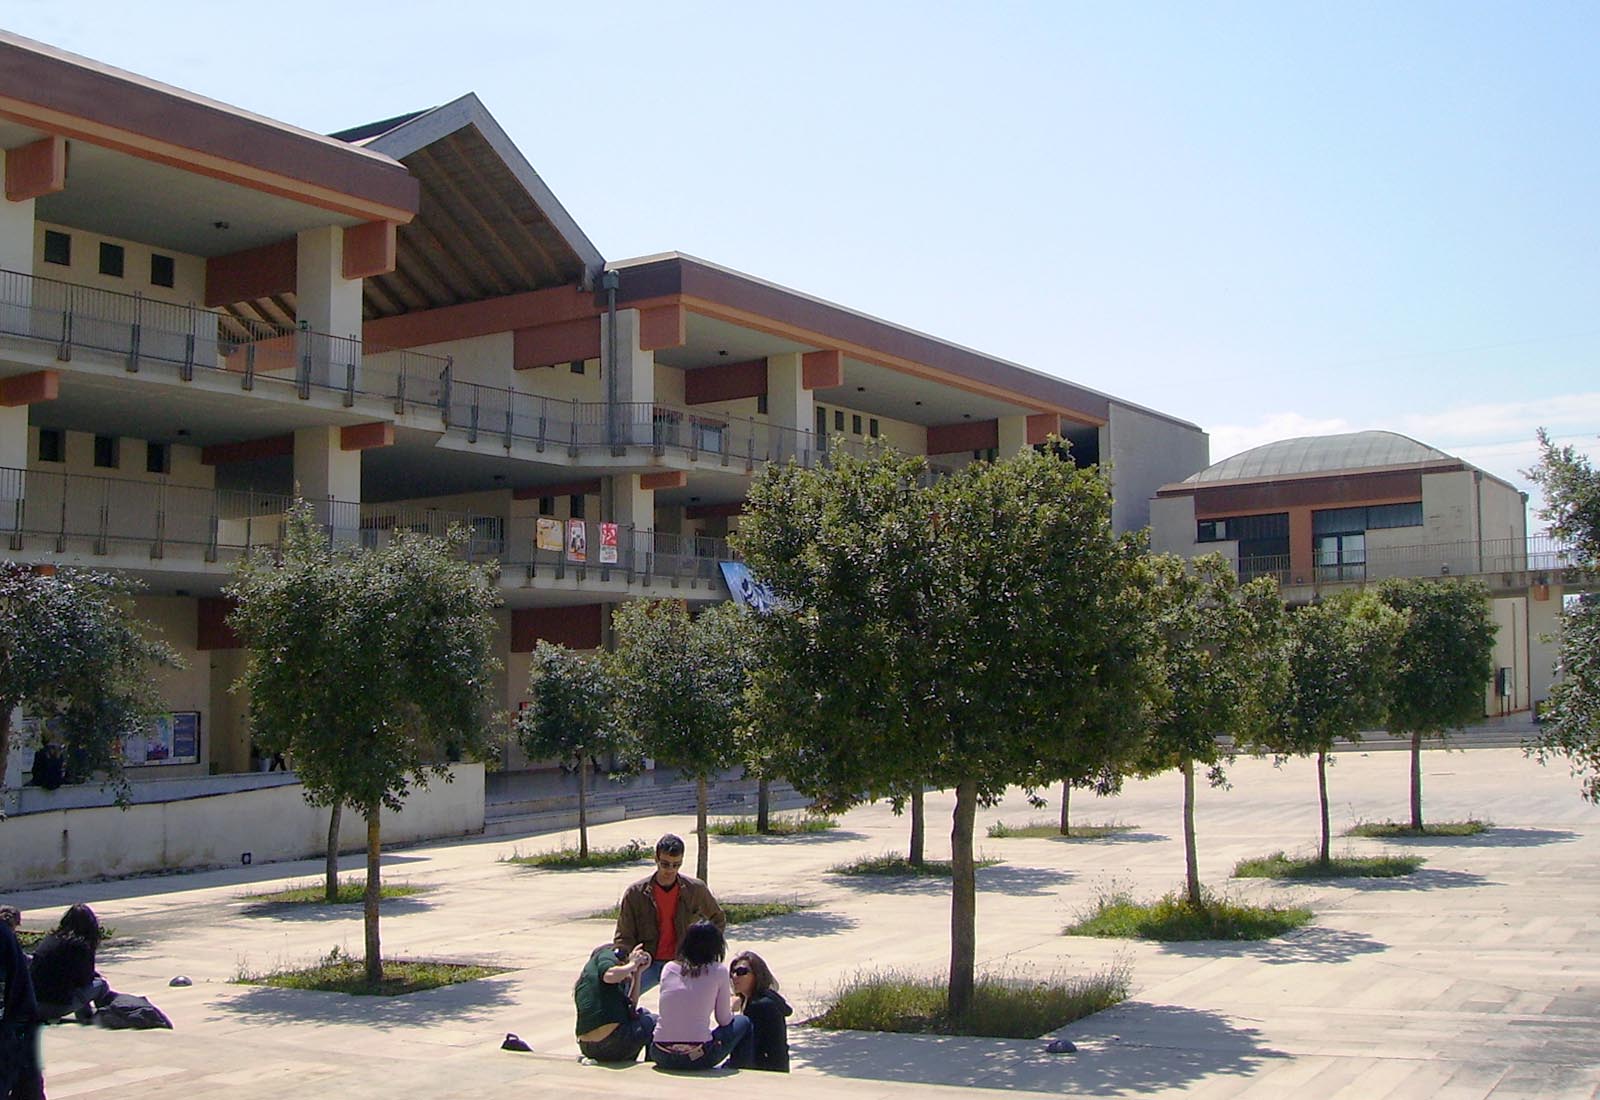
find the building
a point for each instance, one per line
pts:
(1323, 512)
(203, 311)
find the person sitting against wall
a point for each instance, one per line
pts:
(695, 991)
(611, 1025)
(755, 993)
(65, 981)
(49, 767)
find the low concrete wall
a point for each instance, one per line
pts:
(275, 823)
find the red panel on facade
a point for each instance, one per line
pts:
(725, 382)
(30, 388)
(975, 435)
(253, 273)
(369, 250)
(248, 450)
(575, 627)
(36, 169)
(821, 370)
(663, 327)
(556, 345)
(1041, 426)
(211, 623)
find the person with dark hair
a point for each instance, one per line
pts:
(656, 911)
(694, 991)
(611, 1025)
(49, 767)
(755, 994)
(20, 1074)
(64, 978)
(11, 917)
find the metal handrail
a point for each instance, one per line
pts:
(1460, 557)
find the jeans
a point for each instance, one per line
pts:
(97, 994)
(650, 976)
(723, 1040)
(623, 1044)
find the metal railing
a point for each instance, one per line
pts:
(103, 516)
(189, 341)
(1465, 557)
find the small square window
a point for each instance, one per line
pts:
(547, 506)
(577, 506)
(761, 403)
(838, 420)
(855, 423)
(52, 445)
(111, 259)
(872, 427)
(163, 270)
(577, 366)
(157, 458)
(57, 247)
(105, 451)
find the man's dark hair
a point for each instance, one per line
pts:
(702, 945)
(10, 916)
(671, 844)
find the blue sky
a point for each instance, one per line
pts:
(1270, 219)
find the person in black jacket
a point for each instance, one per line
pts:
(20, 1076)
(755, 993)
(64, 978)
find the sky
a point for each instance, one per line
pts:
(1269, 219)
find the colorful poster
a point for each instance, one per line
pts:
(746, 590)
(608, 544)
(165, 739)
(547, 535)
(577, 541)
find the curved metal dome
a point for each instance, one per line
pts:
(1320, 453)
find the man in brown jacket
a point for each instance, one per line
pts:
(656, 911)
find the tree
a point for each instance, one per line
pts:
(1222, 652)
(572, 717)
(1337, 652)
(72, 652)
(965, 634)
(680, 686)
(1571, 726)
(372, 667)
(1441, 665)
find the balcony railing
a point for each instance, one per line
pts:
(103, 516)
(1536, 554)
(189, 342)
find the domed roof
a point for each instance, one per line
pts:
(1322, 453)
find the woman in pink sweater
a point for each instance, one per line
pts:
(694, 991)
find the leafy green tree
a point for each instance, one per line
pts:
(1571, 726)
(1441, 665)
(572, 717)
(680, 688)
(373, 668)
(963, 634)
(71, 650)
(1338, 650)
(1222, 650)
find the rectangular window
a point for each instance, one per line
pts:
(57, 248)
(1383, 516)
(855, 423)
(838, 420)
(111, 259)
(577, 506)
(761, 404)
(872, 427)
(157, 458)
(105, 451)
(577, 366)
(1341, 557)
(52, 445)
(163, 270)
(547, 506)
(1211, 530)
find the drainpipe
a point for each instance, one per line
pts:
(1477, 498)
(608, 282)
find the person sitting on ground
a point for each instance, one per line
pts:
(694, 991)
(755, 993)
(19, 1029)
(64, 978)
(49, 767)
(11, 917)
(611, 1025)
(656, 911)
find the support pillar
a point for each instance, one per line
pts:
(13, 439)
(1013, 434)
(633, 509)
(329, 306)
(16, 227)
(329, 477)
(791, 408)
(630, 381)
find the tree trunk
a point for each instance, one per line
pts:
(370, 906)
(764, 806)
(1190, 860)
(1323, 853)
(330, 870)
(1066, 806)
(583, 807)
(700, 862)
(1416, 781)
(963, 901)
(918, 828)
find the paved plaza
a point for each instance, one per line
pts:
(1478, 976)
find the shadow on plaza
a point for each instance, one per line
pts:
(1425, 878)
(789, 838)
(322, 911)
(1312, 944)
(1131, 1049)
(1003, 878)
(259, 1004)
(803, 924)
(1492, 837)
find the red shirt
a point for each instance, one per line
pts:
(666, 919)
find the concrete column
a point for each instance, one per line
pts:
(16, 254)
(1013, 434)
(329, 477)
(635, 368)
(790, 405)
(13, 438)
(327, 303)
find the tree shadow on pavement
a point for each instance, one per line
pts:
(1003, 878)
(790, 838)
(322, 911)
(1425, 878)
(261, 1004)
(1492, 837)
(1312, 944)
(1131, 1049)
(1112, 838)
(803, 924)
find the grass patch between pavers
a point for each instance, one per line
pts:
(1051, 830)
(566, 858)
(737, 912)
(1172, 918)
(777, 825)
(340, 972)
(894, 865)
(1470, 827)
(30, 939)
(1003, 1006)
(351, 891)
(1278, 865)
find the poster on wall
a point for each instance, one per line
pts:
(547, 535)
(172, 738)
(577, 541)
(608, 544)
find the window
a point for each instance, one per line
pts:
(855, 424)
(577, 366)
(52, 445)
(111, 259)
(761, 403)
(1342, 557)
(1383, 516)
(105, 451)
(838, 420)
(1263, 541)
(57, 247)
(547, 506)
(872, 427)
(577, 506)
(157, 458)
(163, 270)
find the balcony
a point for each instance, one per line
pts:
(192, 528)
(1465, 558)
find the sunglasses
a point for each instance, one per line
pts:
(739, 971)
